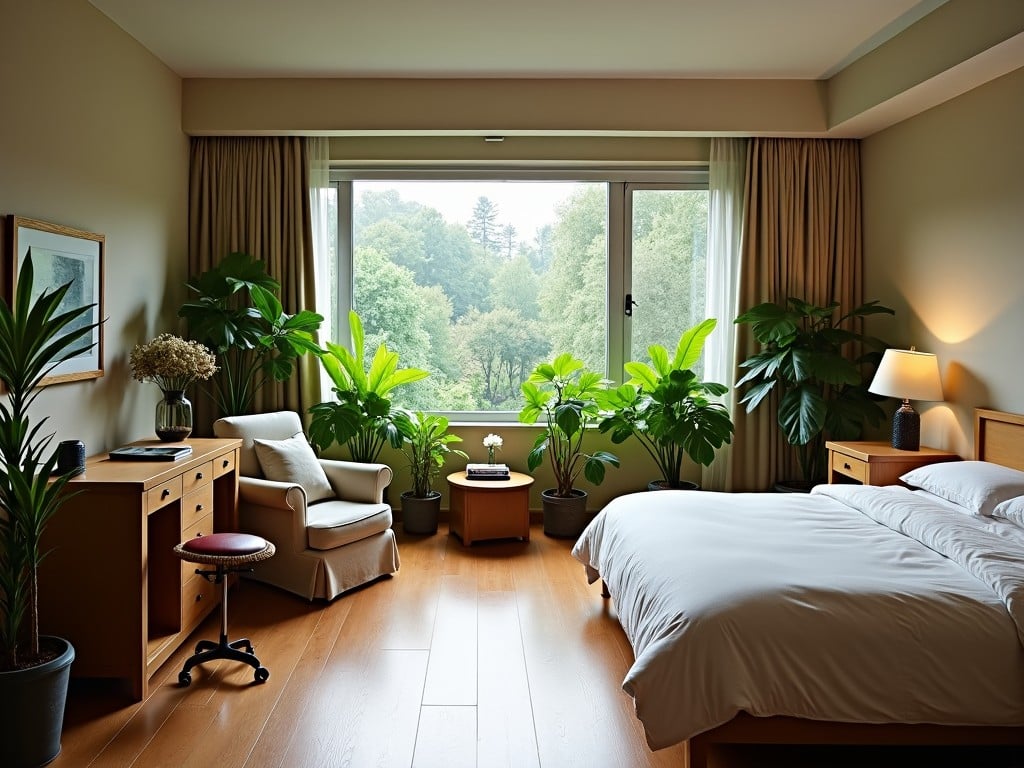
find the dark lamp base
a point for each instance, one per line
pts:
(906, 429)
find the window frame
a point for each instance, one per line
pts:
(621, 180)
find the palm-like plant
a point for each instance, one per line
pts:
(238, 315)
(362, 416)
(567, 396)
(669, 409)
(35, 337)
(426, 446)
(824, 392)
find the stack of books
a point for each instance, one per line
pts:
(487, 472)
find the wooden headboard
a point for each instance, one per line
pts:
(999, 437)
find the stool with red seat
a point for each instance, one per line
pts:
(227, 553)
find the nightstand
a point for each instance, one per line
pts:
(877, 463)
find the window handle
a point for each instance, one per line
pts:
(629, 304)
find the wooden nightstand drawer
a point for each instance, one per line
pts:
(194, 506)
(849, 466)
(198, 596)
(200, 527)
(163, 494)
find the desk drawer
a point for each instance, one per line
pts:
(849, 466)
(224, 464)
(194, 506)
(163, 494)
(197, 597)
(202, 526)
(198, 477)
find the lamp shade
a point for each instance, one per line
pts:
(909, 375)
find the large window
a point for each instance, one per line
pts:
(477, 280)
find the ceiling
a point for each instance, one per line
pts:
(778, 39)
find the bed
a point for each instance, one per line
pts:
(851, 615)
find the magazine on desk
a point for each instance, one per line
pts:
(150, 452)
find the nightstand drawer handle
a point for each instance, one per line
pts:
(846, 465)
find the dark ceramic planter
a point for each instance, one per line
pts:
(564, 517)
(32, 710)
(663, 485)
(419, 515)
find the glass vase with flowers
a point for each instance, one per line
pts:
(172, 363)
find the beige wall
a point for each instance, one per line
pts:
(944, 246)
(91, 138)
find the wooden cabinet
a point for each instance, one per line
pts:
(877, 463)
(489, 509)
(111, 583)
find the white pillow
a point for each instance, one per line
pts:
(1011, 509)
(293, 461)
(977, 485)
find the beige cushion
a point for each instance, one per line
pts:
(293, 461)
(332, 524)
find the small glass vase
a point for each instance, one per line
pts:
(173, 416)
(490, 455)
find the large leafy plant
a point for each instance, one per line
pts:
(35, 336)
(426, 442)
(566, 396)
(237, 314)
(362, 416)
(669, 409)
(824, 393)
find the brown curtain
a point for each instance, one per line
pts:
(802, 238)
(251, 194)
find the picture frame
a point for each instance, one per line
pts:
(60, 255)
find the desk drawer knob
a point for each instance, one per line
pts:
(199, 475)
(226, 463)
(846, 465)
(199, 597)
(165, 493)
(199, 507)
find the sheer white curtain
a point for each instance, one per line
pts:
(726, 180)
(319, 205)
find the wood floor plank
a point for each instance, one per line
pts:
(452, 671)
(447, 738)
(505, 730)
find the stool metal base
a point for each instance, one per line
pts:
(233, 650)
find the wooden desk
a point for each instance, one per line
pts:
(111, 583)
(489, 509)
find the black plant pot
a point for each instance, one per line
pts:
(32, 709)
(793, 486)
(565, 517)
(419, 514)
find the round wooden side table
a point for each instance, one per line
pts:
(489, 509)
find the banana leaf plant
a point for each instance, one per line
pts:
(36, 335)
(567, 397)
(362, 417)
(237, 314)
(824, 391)
(669, 409)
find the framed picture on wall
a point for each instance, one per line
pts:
(61, 255)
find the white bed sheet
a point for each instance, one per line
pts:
(824, 606)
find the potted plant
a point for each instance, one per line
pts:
(362, 416)
(824, 393)
(425, 445)
(669, 409)
(566, 396)
(36, 335)
(237, 314)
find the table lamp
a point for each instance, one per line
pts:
(908, 375)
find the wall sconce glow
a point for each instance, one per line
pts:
(908, 375)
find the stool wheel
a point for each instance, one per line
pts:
(261, 675)
(184, 679)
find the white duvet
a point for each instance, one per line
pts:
(852, 603)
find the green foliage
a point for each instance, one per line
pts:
(824, 392)
(425, 445)
(668, 408)
(237, 314)
(483, 226)
(362, 417)
(567, 396)
(35, 336)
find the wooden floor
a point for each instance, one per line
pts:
(493, 655)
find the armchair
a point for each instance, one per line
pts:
(325, 546)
